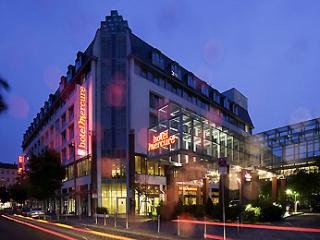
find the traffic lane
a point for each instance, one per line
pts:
(76, 231)
(11, 230)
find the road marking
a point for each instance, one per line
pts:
(258, 226)
(217, 237)
(40, 228)
(109, 235)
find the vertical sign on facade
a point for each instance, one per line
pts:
(82, 122)
(20, 164)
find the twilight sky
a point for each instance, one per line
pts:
(269, 50)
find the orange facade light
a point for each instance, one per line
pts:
(21, 164)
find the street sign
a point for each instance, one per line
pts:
(223, 170)
(222, 162)
(223, 166)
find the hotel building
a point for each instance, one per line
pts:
(134, 124)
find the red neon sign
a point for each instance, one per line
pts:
(162, 140)
(82, 122)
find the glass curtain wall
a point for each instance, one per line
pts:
(196, 134)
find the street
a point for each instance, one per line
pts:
(306, 226)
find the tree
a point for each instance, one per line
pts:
(19, 190)
(4, 195)
(209, 207)
(3, 85)
(45, 174)
(305, 184)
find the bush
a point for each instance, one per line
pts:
(271, 211)
(102, 210)
(233, 212)
(251, 214)
(196, 211)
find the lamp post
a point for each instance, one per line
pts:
(73, 145)
(295, 195)
(240, 189)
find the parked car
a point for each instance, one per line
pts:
(35, 212)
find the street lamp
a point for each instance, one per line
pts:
(240, 189)
(295, 194)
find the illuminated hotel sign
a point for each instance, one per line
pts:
(162, 140)
(82, 122)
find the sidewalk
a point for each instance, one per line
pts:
(137, 226)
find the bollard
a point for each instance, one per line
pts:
(127, 221)
(238, 225)
(158, 223)
(105, 220)
(79, 217)
(115, 220)
(58, 217)
(96, 218)
(205, 228)
(178, 226)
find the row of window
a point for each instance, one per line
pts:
(8, 171)
(193, 82)
(156, 101)
(47, 139)
(148, 167)
(83, 168)
(174, 88)
(59, 123)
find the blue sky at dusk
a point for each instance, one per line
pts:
(269, 50)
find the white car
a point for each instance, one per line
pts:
(35, 212)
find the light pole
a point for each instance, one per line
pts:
(73, 145)
(295, 195)
(240, 190)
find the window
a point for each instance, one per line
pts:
(63, 137)
(155, 101)
(64, 154)
(216, 97)
(205, 89)
(71, 113)
(71, 152)
(153, 119)
(83, 167)
(57, 125)
(71, 132)
(157, 59)
(191, 81)
(63, 120)
(175, 71)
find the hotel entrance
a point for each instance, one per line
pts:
(148, 200)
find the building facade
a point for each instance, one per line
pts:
(8, 174)
(102, 116)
